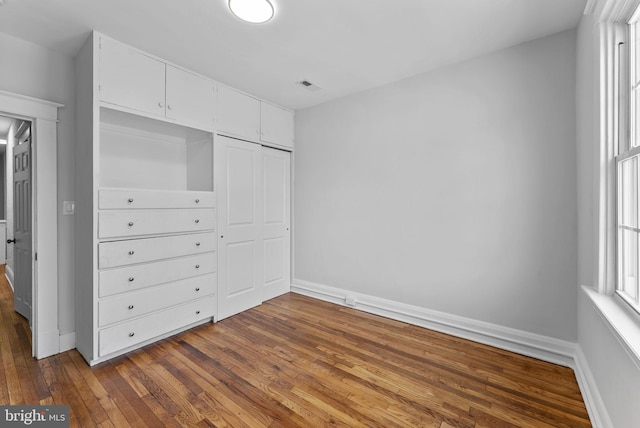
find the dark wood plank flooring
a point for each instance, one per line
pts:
(294, 362)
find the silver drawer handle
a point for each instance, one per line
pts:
(131, 253)
(197, 244)
(130, 200)
(197, 221)
(197, 201)
(197, 288)
(130, 306)
(130, 223)
(197, 312)
(131, 279)
(131, 334)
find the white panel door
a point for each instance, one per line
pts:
(238, 173)
(22, 298)
(276, 125)
(238, 114)
(131, 79)
(190, 98)
(276, 182)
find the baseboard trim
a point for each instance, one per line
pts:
(67, 341)
(590, 394)
(525, 343)
(8, 273)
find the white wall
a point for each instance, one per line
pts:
(32, 70)
(587, 149)
(454, 190)
(616, 376)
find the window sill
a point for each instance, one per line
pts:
(622, 320)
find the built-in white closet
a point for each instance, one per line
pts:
(182, 213)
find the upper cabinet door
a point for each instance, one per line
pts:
(190, 98)
(131, 79)
(276, 125)
(238, 114)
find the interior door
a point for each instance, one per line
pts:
(22, 297)
(240, 243)
(276, 178)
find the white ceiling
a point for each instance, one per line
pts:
(343, 46)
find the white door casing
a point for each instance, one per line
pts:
(276, 173)
(238, 177)
(43, 116)
(22, 227)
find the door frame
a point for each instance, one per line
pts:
(44, 118)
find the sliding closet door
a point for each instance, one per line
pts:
(238, 171)
(276, 222)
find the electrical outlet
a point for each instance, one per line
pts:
(350, 300)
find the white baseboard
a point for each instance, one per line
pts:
(67, 341)
(522, 342)
(592, 398)
(8, 273)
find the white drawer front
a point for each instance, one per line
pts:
(132, 251)
(113, 224)
(132, 199)
(132, 278)
(136, 303)
(131, 333)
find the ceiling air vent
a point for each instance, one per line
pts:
(309, 86)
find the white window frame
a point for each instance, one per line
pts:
(628, 161)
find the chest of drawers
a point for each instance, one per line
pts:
(157, 265)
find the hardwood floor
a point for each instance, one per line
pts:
(294, 362)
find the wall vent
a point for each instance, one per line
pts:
(309, 86)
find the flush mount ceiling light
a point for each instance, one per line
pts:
(253, 11)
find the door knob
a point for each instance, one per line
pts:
(10, 241)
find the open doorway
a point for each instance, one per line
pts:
(41, 133)
(16, 211)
